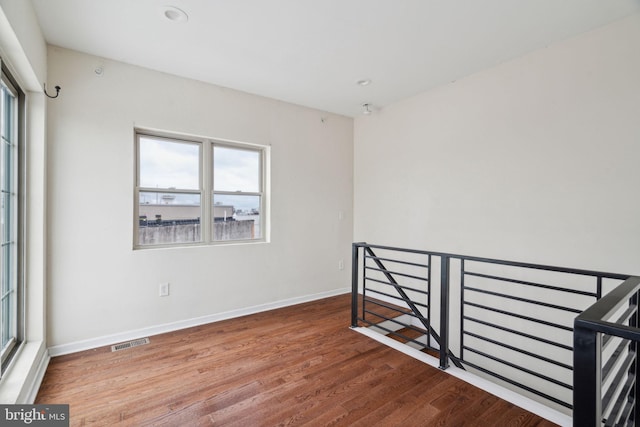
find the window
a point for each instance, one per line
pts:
(183, 199)
(11, 105)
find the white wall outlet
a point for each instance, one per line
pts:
(341, 264)
(164, 289)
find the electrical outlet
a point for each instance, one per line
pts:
(341, 264)
(164, 289)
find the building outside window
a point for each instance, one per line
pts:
(198, 191)
(11, 170)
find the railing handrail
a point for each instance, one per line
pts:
(593, 317)
(557, 269)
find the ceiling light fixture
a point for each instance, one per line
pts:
(366, 109)
(364, 82)
(174, 14)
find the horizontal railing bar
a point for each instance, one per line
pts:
(387, 305)
(527, 300)
(537, 285)
(520, 368)
(519, 316)
(519, 350)
(395, 297)
(522, 334)
(392, 332)
(617, 409)
(608, 328)
(626, 413)
(397, 322)
(405, 325)
(396, 273)
(620, 373)
(502, 262)
(390, 307)
(517, 384)
(422, 291)
(404, 337)
(415, 264)
(606, 369)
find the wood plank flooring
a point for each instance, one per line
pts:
(299, 365)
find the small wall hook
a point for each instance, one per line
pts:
(57, 88)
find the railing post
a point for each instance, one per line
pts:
(354, 285)
(444, 312)
(635, 348)
(587, 377)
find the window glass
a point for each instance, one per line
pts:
(236, 217)
(169, 164)
(236, 170)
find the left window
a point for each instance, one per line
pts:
(169, 191)
(11, 170)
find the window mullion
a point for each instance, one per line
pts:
(166, 190)
(206, 182)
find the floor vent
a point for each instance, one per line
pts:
(129, 344)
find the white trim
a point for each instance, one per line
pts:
(22, 380)
(92, 343)
(488, 386)
(32, 390)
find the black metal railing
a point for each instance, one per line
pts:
(507, 320)
(400, 304)
(606, 337)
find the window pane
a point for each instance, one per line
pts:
(236, 217)
(236, 170)
(169, 164)
(166, 218)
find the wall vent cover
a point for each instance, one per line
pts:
(129, 344)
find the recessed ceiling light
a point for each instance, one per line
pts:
(174, 14)
(364, 82)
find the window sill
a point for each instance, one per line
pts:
(22, 380)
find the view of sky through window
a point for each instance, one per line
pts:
(170, 164)
(236, 170)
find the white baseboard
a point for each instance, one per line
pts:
(74, 347)
(488, 386)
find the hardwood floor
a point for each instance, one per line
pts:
(299, 365)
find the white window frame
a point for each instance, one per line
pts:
(206, 187)
(12, 223)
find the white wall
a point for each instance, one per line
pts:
(23, 43)
(99, 286)
(533, 160)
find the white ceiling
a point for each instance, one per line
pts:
(312, 52)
